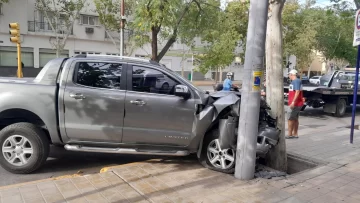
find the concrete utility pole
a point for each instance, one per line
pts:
(122, 25)
(250, 94)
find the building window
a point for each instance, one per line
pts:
(86, 52)
(110, 54)
(140, 56)
(8, 57)
(45, 55)
(89, 20)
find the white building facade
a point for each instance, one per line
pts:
(88, 36)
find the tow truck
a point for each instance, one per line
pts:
(334, 93)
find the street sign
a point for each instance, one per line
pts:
(356, 41)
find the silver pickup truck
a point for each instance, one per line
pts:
(108, 104)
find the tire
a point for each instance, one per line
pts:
(165, 86)
(209, 141)
(27, 143)
(340, 108)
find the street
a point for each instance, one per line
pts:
(62, 162)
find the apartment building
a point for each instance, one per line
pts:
(87, 36)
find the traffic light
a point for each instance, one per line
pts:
(15, 37)
(14, 32)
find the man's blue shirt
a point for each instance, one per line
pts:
(227, 84)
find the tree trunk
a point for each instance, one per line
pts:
(277, 157)
(154, 41)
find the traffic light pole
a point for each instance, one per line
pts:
(19, 71)
(122, 25)
(15, 38)
(250, 94)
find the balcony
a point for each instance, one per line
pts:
(44, 27)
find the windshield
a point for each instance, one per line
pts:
(324, 80)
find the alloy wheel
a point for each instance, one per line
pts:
(220, 158)
(17, 150)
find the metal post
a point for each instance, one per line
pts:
(19, 71)
(250, 94)
(355, 96)
(192, 66)
(122, 25)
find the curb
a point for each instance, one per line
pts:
(109, 168)
(39, 181)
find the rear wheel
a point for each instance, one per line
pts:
(340, 108)
(24, 148)
(214, 157)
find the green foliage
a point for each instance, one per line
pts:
(168, 21)
(60, 15)
(4, 1)
(227, 32)
(328, 30)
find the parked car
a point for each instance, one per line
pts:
(110, 104)
(315, 80)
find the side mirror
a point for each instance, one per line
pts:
(182, 91)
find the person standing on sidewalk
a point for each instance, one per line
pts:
(296, 102)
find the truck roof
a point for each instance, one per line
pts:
(50, 72)
(117, 58)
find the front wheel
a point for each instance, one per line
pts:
(215, 158)
(24, 148)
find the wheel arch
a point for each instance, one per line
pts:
(17, 115)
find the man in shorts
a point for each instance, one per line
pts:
(296, 102)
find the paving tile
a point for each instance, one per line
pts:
(347, 190)
(280, 184)
(321, 189)
(308, 194)
(106, 189)
(349, 200)
(298, 188)
(69, 191)
(31, 193)
(50, 192)
(293, 200)
(11, 195)
(355, 184)
(324, 199)
(87, 190)
(123, 188)
(269, 198)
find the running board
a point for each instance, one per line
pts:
(80, 148)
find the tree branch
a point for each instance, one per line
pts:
(173, 37)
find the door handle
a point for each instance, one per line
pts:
(138, 102)
(77, 96)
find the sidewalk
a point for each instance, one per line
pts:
(184, 180)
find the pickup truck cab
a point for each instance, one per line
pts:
(109, 104)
